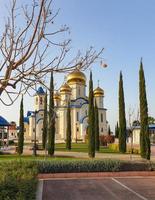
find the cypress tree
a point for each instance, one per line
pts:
(109, 130)
(21, 129)
(68, 129)
(144, 130)
(116, 131)
(97, 139)
(91, 121)
(51, 127)
(45, 123)
(122, 119)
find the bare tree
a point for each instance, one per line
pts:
(30, 47)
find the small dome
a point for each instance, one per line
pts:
(57, 96)
(98, 92)
(76, 76)
(40, 91)
(65, 88)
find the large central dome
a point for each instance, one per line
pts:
(76, 77)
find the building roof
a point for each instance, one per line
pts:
(29, 113)
(151, 126)
(65, 88)
(76, 76)
(40, 91)
(3, 122)
(98, 92)
(26, 120)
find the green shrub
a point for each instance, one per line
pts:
(18, 180)
(114, 147)
(65, 166)
(133, 150)
(11, 142)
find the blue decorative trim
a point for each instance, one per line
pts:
(81, 121)
(74, 100)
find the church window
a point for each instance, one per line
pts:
(101, 117)
(77, 116)
(77, 129)
(41, 100)
(101, 129)
(79, 90)
(36, 100)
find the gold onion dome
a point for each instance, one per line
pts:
(56, 96)
(98, 92)
(76, 76)
(65, 88)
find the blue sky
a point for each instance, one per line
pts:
(126, 29)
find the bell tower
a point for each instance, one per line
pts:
(39, 99)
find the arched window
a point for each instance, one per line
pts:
(79, 91)
(41, 100)
(101, 117)
(77, 116)
(36, 100)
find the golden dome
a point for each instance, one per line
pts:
(56, 96)
(98, 92)
(65, 88)
(76, 76)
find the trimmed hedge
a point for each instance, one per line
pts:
(18, 180)
(65, 166)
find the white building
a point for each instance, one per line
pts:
(136, 134)
(73, 92)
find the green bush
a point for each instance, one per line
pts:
(11, 142)
(18, 180)
(113, 147)
(65, 166)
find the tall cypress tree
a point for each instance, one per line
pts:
(68, 129)
(109, 130)
(116, 131)
(51, 126)
(45, 124)
(21, 129)
(144, 130)
(91, 121)
(97, 139)
(122, 119)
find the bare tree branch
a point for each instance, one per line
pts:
(30, 48)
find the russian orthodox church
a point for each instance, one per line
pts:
(74, 93)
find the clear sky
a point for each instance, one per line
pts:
(126, 29)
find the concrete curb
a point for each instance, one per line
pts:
(96, 174)
(39, 192)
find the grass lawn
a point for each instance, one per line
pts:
(82, 147)
(79, 147)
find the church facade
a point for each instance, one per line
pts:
(74, 93)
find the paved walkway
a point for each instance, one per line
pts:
(131, 188)
(85, 155)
